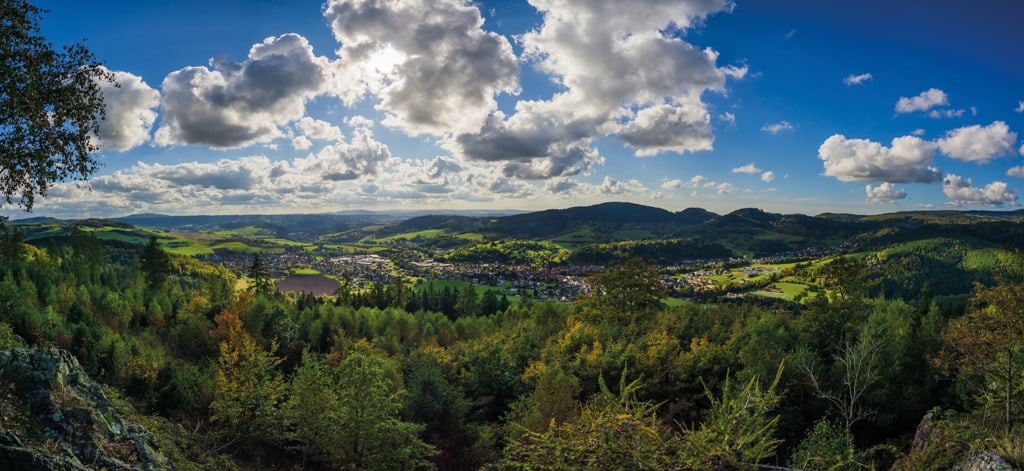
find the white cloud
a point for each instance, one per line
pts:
(790, 33)
(724, 188)
(908, 159)
(233, 105)
(925, 101)
(937, 114)
(696, 179)
(1021, 151)
(301, 143)
(560, 185)
(623, 70)
(130, 115)
(1020, 106)
(1017, 171)
(978, 144)
(768, 176)
(359, 121)
(612, 186)
(775, 128)
(317, 129)
(669, 128)
(672, 184)
(857, 79)
(918, 132)
(748, 168)
(346, 161)
(886, 193)
(962, 191)
(441, 69)
(728, 117)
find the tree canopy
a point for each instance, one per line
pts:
(51, 107)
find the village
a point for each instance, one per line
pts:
(560, 283)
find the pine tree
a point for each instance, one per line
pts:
(155, 264)
(259, 274)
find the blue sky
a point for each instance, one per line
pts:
(798, 106)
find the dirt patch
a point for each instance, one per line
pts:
(318, 285)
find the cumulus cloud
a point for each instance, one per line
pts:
(1017, 171)
(918, 132)
(857, 79)
(611, 186)
(317, 129)
(347, 161)
(560, 185)
(672, 184)
(301, 143)
(962, 191)
(886, 193)
(240, 174)
(768, 176)
(532, 149)
(130, 112)
(749, 168)
(623, 71)
(775, 128)
(908, 159)
(724, 188)
(927, 100)
(444, 68)
(728, 117)
(230, 105)
(1020, 106)
(978, 144)
(669, 128)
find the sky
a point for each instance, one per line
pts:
(794, 106)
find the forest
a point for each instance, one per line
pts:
(238, 376)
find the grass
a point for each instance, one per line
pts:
(789, 290)
(236, 246)
(306, 271)
(425, 234)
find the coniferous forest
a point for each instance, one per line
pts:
(608, 337)
(411, 376)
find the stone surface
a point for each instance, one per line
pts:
(983, 460)
(65, 421)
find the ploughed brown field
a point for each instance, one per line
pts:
(318, 285)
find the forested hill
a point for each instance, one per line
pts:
(225, 373)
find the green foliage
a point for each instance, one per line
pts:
(347, 416)
(669, 251)
(50, 108)
(827, 446)
(9, 339)
(248, 387)
(510, 252)
(985, 349)
(155, 264)
(611, 432)
(625, 290)
(259, 275)
(552, 401)
(739, 427)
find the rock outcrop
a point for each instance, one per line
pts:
(983, 460)
(56, 418)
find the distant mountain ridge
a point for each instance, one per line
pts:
(745, 231)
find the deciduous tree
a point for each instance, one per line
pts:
(50, 107)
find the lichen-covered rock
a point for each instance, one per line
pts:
(62, 419)
(983, 460)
